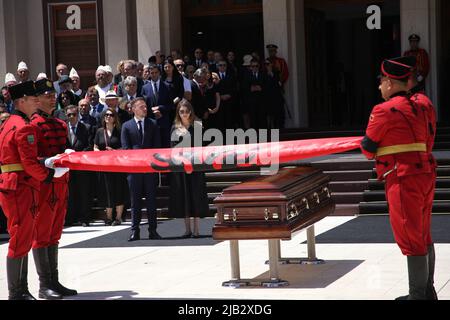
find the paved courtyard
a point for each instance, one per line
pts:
(362, 263)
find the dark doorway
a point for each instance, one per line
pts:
(241, 33)
(344, 58)
(444, 65)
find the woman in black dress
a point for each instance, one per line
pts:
(188, 195)
(107, 138)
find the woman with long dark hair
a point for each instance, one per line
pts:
(107, 138)
(188, 195)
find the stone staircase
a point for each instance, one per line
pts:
(374, 199)
(353, 182)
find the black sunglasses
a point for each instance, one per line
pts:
(109, 115)
(179, 65)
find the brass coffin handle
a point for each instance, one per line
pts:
(235, 213)
(327, 191)
(267, 214)
(317, 197)
(305, 201)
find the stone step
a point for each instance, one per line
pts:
(379, 195)
(350, 175)
(348, 197)
(349, 186)
(441, 183)
(381, 207)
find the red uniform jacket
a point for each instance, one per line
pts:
(423, 61)
(51, 137)
(401, 123)
(18, 145)
(282, 67)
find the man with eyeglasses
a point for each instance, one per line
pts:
(253, 91)
(180, 65)
(49, 224)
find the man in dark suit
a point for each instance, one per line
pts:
(157, 97)
(199, 101)
(141, 132)
(78, 139)
(228, 92)
(94, 101)
(198, 58)
(254, 90)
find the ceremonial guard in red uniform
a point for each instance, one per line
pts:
(422, 58)
(417, 94)
(279, 64)
(20, 181)
(398, 138)
(51, 139)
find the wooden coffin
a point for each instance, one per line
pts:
(273, 207)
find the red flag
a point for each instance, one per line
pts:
(206, 158)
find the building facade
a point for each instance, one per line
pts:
(332, 54)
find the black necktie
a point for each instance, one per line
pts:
(73, 134)
(141, 131)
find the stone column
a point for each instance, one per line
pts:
(170, 17)
(33, 40)
(284, 26)
(419, 16)
(148, 28)
(115, 32)
(3, 69)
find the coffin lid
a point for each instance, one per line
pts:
(284, 180)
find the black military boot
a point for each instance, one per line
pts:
(418, 278)
(13, 271)
(431, 291)
(24, 280)
(56, 286)
(43, 269)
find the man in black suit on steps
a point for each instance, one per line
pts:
(142, 132)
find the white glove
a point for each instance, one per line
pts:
(69, 151)
(50, 162)
(59, 172)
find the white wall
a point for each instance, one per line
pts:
(115, 31)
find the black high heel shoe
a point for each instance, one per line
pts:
(187, 235)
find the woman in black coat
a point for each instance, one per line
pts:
(107, 138)
(188, 195)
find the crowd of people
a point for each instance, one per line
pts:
(222, 93)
